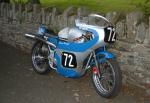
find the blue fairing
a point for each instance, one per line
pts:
(67, 72)
(79, 47)
(75, 47)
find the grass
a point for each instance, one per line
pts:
(96, 5)
(102, 6)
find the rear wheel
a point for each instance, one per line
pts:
(40, 57)
(107, 79)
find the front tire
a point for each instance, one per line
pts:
(108, 80)
(39, 58)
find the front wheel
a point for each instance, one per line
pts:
(107, 78)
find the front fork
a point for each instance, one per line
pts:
(92, 63)
(95, 67)
(100, 56)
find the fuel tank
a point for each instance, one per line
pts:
(70, 34)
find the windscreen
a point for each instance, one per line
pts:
(93, 19)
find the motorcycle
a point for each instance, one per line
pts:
(77, 50)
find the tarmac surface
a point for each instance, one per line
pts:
(20, 84)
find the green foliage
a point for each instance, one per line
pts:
(101, 6)
(145, 7)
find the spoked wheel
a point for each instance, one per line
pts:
(40, 57)
(107, 78)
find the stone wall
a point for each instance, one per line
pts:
(132, 47)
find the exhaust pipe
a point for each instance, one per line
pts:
(34, 36)
(30, 35)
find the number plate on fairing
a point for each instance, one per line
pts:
(69, 60)
(110, 35)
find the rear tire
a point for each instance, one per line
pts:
(39, 58)
(114, 79)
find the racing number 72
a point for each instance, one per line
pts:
(112, 34)
(68, 60)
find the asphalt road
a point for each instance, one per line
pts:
(20, 84)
